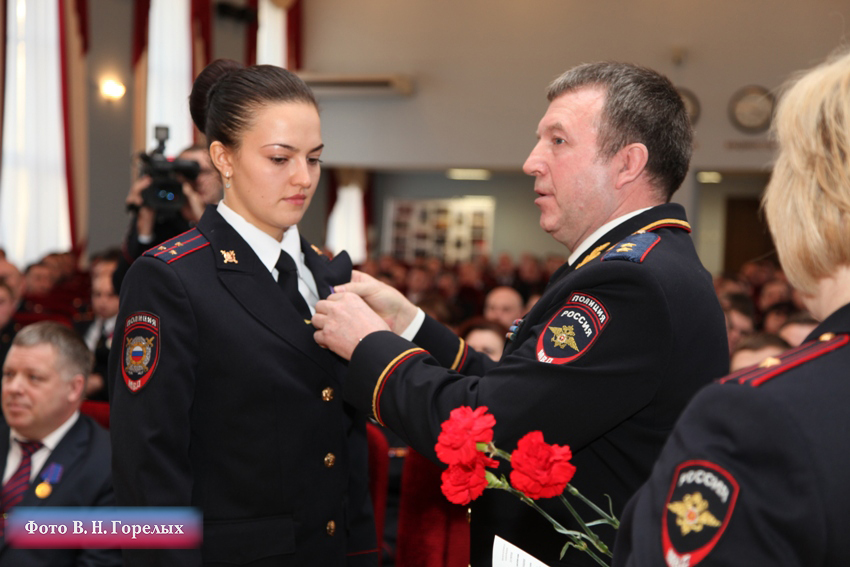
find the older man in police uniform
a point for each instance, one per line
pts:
(624, 335)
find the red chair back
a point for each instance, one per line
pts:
(379, 465)
(432, 532)
(98, 411)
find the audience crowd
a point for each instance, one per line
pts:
(479, 299)
(759, 303)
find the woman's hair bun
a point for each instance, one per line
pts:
(205, 84)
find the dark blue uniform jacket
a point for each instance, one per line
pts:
(604, 362)
(755, 472)
(222, 400)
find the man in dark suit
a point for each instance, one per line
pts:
(51, 454)
(625, 333)
(97, 333)
(8, 304)
(222, 400)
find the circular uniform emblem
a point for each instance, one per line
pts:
(697, 511)
(140, 349)
(138, 354)
(573, 329)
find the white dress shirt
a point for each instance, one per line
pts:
(585, 244)
(93, 333)
(13, 457)
(268, 250)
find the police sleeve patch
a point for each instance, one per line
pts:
(697, 511)
(140, 349)
(573, 329)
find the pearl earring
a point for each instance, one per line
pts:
(227, 180)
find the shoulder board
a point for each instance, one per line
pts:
(773, 366)
(634, 248)
(179, 246)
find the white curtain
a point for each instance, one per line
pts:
(346, 224)
(34, 218)
(169, 73)
(271, 34)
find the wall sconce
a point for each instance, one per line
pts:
(111, 89)
(709, 177)
(464, 174)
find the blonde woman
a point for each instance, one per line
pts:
(755, 472)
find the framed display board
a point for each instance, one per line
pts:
(456, 230)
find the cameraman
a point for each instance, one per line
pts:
(149, 226)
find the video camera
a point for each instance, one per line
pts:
(165, 192)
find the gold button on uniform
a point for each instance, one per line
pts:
(330, 460)
(328, 394)
(331, 527)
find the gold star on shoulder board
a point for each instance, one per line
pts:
(627, 247)
(769, 361)
(692, 513)
(172, 252)
(564, 336)
(229, 256)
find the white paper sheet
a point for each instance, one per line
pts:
(506, 554)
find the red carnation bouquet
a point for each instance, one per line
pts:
(539, 470)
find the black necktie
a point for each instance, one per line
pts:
(101, 340)
(287, 279)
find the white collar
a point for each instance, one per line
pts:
(264, 246)
(107, 324)
(599, 232)
(52, 439)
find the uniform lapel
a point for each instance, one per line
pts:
(251, 283)
(4, 444)
(326, 273)
(70, 449)
(4, 454)
(618, 233)
(551, 300)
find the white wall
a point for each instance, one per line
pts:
(481, 68)
(516, 227)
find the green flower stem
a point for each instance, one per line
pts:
(607, 518)
(582, 546)
(592, 536)
(575, 536)
(557, 525)
(493, 451)
(577, 539)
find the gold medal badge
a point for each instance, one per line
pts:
(43, 490)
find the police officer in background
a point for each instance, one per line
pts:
(755, 472)
(625, 333)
